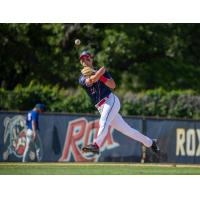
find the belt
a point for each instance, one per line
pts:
(100, 103)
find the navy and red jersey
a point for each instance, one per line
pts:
(97, 90)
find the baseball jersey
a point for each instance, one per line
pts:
(32, 116)
(97, 90)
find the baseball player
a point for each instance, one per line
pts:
(98, 85)
(32, 124)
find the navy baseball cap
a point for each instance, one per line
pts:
(40, 106)
(85, 54)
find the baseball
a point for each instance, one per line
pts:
(77, 42)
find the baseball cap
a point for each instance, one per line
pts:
(40, 106)
(85, 54)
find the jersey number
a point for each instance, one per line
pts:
(29, 116)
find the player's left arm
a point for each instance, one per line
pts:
(108, 80)
(34, 126)
(34, 129)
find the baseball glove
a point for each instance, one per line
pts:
(87, 71)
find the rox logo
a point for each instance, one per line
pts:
(187, 142)
(80, 132)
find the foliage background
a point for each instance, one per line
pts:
(156, 66)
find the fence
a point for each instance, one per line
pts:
(61, 137)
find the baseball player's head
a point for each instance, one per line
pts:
(86, 59)
(40, 107)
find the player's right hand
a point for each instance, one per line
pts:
(102, 70)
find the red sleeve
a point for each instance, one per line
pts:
(103, 79)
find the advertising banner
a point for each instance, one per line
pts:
(179, 140)
(61, 138)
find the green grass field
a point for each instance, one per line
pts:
(96, 169)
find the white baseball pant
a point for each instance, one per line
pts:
(29, 136)
(110, 116)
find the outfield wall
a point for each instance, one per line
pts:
(61, 137)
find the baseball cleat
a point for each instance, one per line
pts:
(91, 148)
(155, 148)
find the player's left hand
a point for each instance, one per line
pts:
(88, 71)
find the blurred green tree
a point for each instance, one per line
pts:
(139, 56)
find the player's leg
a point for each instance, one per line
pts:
(119, 124)
(108, 113)
(38, 147)
(110, 109)
(28, 140)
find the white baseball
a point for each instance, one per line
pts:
(77, 42)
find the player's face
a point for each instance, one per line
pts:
(86, 62)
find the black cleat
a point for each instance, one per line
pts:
(155, 148)
(91, 148)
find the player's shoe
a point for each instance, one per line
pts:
(155, 148)
(91, 148)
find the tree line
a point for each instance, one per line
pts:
(139, 56)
